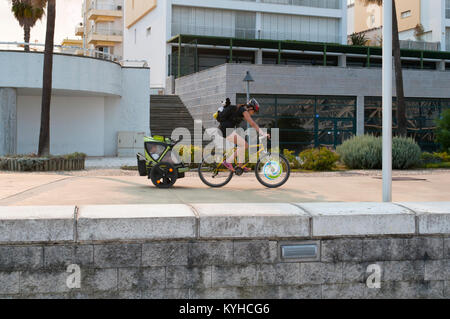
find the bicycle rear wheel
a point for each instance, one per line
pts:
(213, 173)
(273, 170)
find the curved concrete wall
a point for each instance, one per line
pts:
(73, 73)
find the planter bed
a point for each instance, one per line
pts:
(41, 164)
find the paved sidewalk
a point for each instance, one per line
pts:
(114, 186)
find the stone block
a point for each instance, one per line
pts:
(434, 217)
(344, 291)
(337, 250)
(9, 283)
(234, 276)
(188, 277)
(43, 281)
(252, 221)
(136, 222)
(320, 273)
(254, 252)
(142, 278)
(36, 223)
(407, 290)
(353, 219)
(277, 274)
(63, 255)
(300, 292)
(211, 253)
(117, 255)
(21, 257)
(437, 269)
(165, 254)
(104, 280)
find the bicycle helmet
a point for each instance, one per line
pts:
(254, 105)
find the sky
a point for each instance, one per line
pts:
(68, 16)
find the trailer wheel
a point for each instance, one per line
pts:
(164, 175)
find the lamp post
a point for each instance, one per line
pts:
(248, 78)
(387, 100)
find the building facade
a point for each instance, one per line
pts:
(149, 25)
(93, 102)
(102, 27)
(433, 15)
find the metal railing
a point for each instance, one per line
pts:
(63, 49)
(106, 31)
(420, 45)
(105, 5)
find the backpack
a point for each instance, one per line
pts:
(225, 113)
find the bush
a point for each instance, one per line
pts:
(361, 152)
(321, 159)
(406, 153)
(365, 152)
(435, 158)
(443, 131)
(292, 159)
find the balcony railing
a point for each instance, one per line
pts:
(106, 31)
(64, 49)
(420, 45)
(105, 5)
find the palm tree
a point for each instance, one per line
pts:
(44, 135)
(401, 107)
(27, 12)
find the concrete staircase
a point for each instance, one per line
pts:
(168, 112)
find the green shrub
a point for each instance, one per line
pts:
(365, 152)
(443, 131)
(292, 159)
(361, 152)
(321, 159)
(435, 158)
(406, 153)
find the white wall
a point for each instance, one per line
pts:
(24, 70)
(138, 45)
(76, 124)
(92, 101)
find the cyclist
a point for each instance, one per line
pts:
(242, 112)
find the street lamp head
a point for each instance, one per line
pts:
(248, 77)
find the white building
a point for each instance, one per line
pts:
(433, 15)
(93, 101)
(150, 24)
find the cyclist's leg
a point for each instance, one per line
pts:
(241, 144)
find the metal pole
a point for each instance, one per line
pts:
(387, 100)
(248, 91)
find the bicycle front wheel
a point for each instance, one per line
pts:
(273, 170)
(213, 173)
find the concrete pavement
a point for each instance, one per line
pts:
(116, 187)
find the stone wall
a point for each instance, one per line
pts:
(226, 251)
